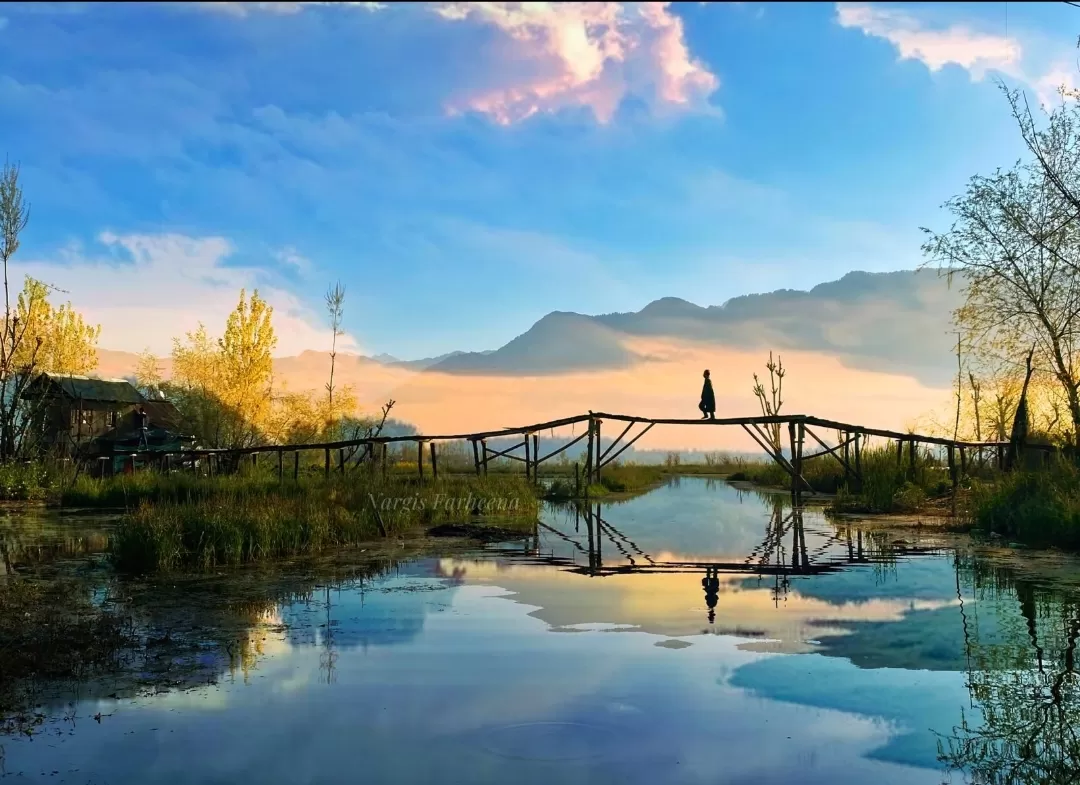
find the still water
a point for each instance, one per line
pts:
(697, 634)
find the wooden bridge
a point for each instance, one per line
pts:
(768, 432)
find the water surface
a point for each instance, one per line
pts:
(695, 634)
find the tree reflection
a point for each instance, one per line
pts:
(1022, 681)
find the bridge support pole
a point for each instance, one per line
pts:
(476, 456)
(280, 466)
(385, 449)
(912, 447)
(858, 462)
(420, 460)
(899, 452)
(963, 461)
(952, 469)
(528, 462)
(794, 462)
(536, 458)
(596, 471)
(434, 463)
(326, 463)
(296, 466)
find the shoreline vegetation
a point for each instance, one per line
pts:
(177, 520)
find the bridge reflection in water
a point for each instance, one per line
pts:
(597, 548)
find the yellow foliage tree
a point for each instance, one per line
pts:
(56, 340)
(223, 387)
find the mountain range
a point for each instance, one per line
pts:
(898, 323)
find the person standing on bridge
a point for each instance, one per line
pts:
(708, 400)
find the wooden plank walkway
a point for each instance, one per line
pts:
(766, 431)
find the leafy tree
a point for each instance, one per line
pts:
(223, 387)
(1015, 243)
(35, 336)
(56, 340)
(148, 376)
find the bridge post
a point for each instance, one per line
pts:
(589, 458)
(912, 446)
(434, 464)
(476, 456)
(420, 460)
(296, 465)
(527, 462)
(326, 463)
(963, 460)
(341, 460)
(899, 452)
(952, 470)
(385, 449)
(858, 461)
(596, 471)
(846, 437)
(794, 462)
(280, 466)
(536, 458)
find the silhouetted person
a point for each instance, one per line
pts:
(708, 400)
(142, 422)
(711, 584)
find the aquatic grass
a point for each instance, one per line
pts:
(49, 631)
(1040, 507)
(227, 523)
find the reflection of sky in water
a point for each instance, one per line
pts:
(495, 669)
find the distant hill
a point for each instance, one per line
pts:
(898, 322)
(894, 322)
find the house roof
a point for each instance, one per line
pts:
(87, 389)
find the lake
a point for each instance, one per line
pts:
(695, 634)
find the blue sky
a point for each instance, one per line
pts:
(466, 168)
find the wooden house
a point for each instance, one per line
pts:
(72, 410)
(78, 415)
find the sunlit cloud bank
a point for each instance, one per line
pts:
(145, 290)
(668, 385)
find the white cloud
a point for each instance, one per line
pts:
(246, 9)
(153, 288)
(289, 257)
(954, 45)
(555, 55)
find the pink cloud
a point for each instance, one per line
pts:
(958, 45)
(550, 56)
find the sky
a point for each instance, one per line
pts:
(464, 169)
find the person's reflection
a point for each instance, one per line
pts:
(711, 584)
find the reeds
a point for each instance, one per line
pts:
(1040, 507)
(233, 520)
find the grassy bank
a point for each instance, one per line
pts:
(888, 486)
(617, 478)
(1039, 507)
(233, 520)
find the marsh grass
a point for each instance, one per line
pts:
(1040, 507)
(887, 484)
(233, 520)
(32, 480)
(616, 478)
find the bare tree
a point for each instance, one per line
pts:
(976, 403)
(335, 307)
(1017, 248)
(771, 401)
(17, 361)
